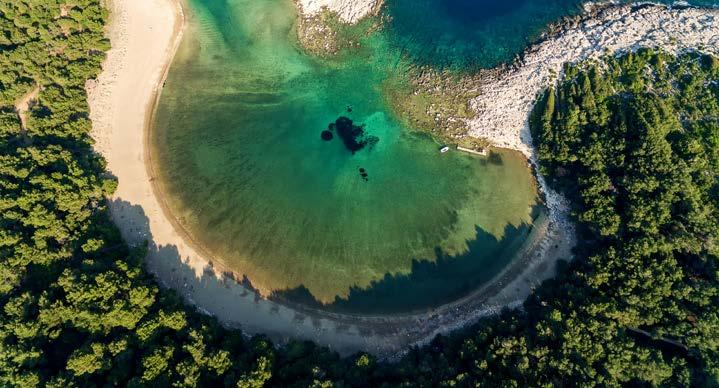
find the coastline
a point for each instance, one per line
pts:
(507, 97)
(145, 35)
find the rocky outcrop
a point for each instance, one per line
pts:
(507, 95)
(507, 98)
(349, 11)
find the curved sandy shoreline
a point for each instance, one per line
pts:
(145, 35)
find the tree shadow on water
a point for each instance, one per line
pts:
(233, 301)
(430, 283)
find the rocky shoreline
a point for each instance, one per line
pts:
(349, 11)
(326, 27)
(507, 98)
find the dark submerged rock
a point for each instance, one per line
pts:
(363, 174)
(353, 136)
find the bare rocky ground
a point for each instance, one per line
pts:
(507, 98)
(349, 11)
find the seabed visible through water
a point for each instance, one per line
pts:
(292, 171)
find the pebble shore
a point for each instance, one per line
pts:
(505, 102)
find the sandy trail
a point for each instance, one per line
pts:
(24, 104)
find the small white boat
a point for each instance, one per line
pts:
(444, 149)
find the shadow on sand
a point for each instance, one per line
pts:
(136, 232)
(429, 284)
(187, 278)
(233, 301)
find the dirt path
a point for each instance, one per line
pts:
(24, 104)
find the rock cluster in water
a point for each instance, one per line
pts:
(349, 11)
(363, 174)
(353, 136)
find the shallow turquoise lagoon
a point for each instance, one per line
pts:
(381, 222)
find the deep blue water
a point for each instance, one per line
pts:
(470, 34)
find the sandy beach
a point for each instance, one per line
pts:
(145, 35)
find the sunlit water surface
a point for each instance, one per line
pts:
(395, 226)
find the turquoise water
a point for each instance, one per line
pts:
(374, 221)
(466, 34)
(238, 147)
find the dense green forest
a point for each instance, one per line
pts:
(634, 143)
